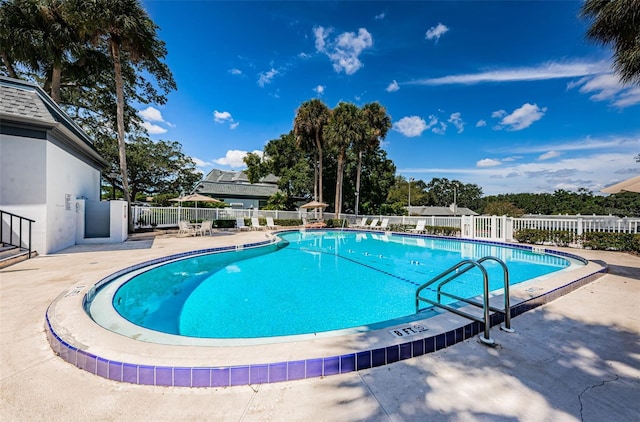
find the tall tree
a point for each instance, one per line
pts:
(130, 36)
(345, 128)
(377, 123)
(617, 23)
(308, 127)
(39, 35)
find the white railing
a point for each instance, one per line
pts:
(488, 227)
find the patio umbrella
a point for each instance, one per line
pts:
(194, 197)
(313, 205)
(629, 185)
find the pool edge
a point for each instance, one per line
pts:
(234, 375)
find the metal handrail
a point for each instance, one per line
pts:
(467, 265)
(20, 219)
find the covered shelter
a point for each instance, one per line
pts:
(50, 173)
(629, 185)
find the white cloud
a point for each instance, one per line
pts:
(456, 120)
(321, 35)
(234, 125)
(200, 163)
(233, 158)
(488, 162)
(481, 123)
(344, 51)
(235, 71)
(628, 97)
(591, 171)
(151, 114)
(608, 87)
(509, 159)
(265, 78)
(153, 129)
(440, 129)
(549, 155)
(393, 86)
(411, 126)
(498, 114)
(629, 144)
(319, 89)
(544, 71)
(522, 118)
(436, 32)
(222, 116)
(380, 16)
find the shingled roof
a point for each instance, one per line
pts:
(440, 211)
(224, 184)
(25, 108)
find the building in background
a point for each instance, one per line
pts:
(233, 187)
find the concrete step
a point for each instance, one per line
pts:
(10, 255)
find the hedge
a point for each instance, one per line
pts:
(625, 242)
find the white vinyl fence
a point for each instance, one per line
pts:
(488, 227)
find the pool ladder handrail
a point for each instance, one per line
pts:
(465, 266)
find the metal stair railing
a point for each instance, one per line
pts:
(457, 270)
(20, 219)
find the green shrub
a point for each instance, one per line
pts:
(530, 236)
(225, 224)
(442, 230)
(539, 236)
(611, 241)
(336, 223)
(635, 243)
(288, 222)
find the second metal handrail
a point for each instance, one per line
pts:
(457, 270)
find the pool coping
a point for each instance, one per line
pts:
(80, 341)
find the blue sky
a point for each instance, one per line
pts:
(508, 95)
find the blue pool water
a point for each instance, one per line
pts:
(311, 282)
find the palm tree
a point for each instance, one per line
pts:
(38, 34)
(617, 23)
(345, 128)
(308, 125)
(377, 124)
(130, 37)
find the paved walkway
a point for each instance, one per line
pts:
(577, 358)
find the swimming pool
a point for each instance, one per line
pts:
(126, 352)
(308, 283)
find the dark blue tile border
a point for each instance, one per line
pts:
(288, 370)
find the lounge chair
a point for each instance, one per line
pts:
(419, 228)
(373, 224)
(185, 229)
(255, 223)
(362, 223)
(240, 224)
(385, 224)
(270, 224)
(206, 227)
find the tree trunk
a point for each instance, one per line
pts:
(339, 178)
(358, 171)
(319, 147)
(9, 65)
(122, 152)
(56, 76)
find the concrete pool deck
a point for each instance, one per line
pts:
(576, 358)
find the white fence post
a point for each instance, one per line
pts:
(508, 229)
(579, 227)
